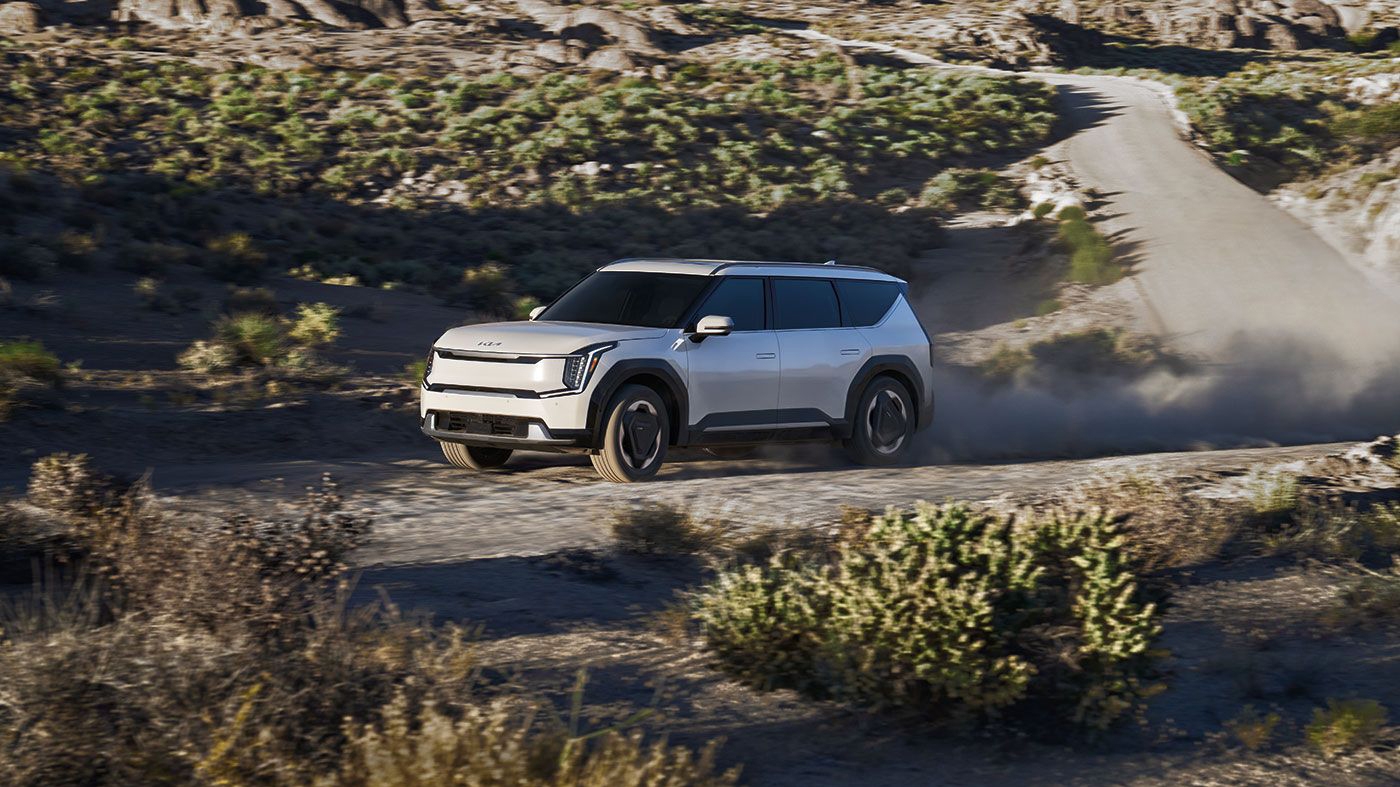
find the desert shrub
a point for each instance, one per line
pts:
(486, 289)
(68, 485)
(497, 743)
(261, 340)
(1271, 495)
(1371, 597)
(659, 529)
(1164, 525)
(1329, 531)
(949, 611)
(1005, 363)
(957, 188)
(1345, 725)
(207, 357)
(1252, 729)
(1091, 256)
(235, 258)
(29, 374)
(315, 324)
(223, 653)
(1377, 125)
(255, 339)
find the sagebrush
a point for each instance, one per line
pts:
(949, 611)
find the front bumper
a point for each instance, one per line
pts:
(503, 421)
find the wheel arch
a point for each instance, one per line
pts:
(657, 375)
(897, 367)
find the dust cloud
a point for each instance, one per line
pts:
(1267, 392)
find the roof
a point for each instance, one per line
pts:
(746, 267)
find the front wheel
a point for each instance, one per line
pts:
(475, 457)
(884, 428)
(636, 428)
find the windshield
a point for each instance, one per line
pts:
(647, 300)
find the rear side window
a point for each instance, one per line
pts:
(864, 303)
(804, 303)
(741, 300)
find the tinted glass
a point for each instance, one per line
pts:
(804, 303)
(738, 299)
(650, 300)
(863, 303)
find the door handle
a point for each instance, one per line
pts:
(850, 352)
(765, 356)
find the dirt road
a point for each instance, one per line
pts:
(1219, 268)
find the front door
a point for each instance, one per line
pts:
(734, 379)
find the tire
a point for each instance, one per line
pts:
(636, 430)
(731, 452)
(475, 457)
(883, 431)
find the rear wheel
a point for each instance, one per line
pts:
(884, 428)
(635, 431)
(475, 457)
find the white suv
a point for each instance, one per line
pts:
(644, 354)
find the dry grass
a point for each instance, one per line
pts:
(661, 530)
(1164, 524)
(224, 652)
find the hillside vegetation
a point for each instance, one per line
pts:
(406, 178)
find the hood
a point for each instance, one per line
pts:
(539, 338)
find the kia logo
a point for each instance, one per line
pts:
(488, 344)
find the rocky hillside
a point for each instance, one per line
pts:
(1286, 25)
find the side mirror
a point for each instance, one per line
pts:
(537, 311)
(713, 325)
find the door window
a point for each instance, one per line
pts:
(804, 303)
(741, 300)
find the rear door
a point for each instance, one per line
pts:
(733, 383)
(819, 355)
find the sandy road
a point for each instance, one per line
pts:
(426, 512)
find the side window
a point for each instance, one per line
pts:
(738, 299)
(804, 303)
(864, 303)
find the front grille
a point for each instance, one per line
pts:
(481, 424)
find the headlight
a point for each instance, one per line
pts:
(428, 367)
(578, 368)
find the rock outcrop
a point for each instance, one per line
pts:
(1017, 38)
(596, 38)
(19, 18)
(1225, 24)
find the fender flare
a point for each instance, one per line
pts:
(881, 364)
(619, 374)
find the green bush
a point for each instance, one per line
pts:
(263, 339)
(315, 325)
(1377, 125)
(255, 339)
(960, 189)
(1091, 257)
(1345, 725)
(28, 373)
(948, 611)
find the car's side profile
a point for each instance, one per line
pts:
(648, 354)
